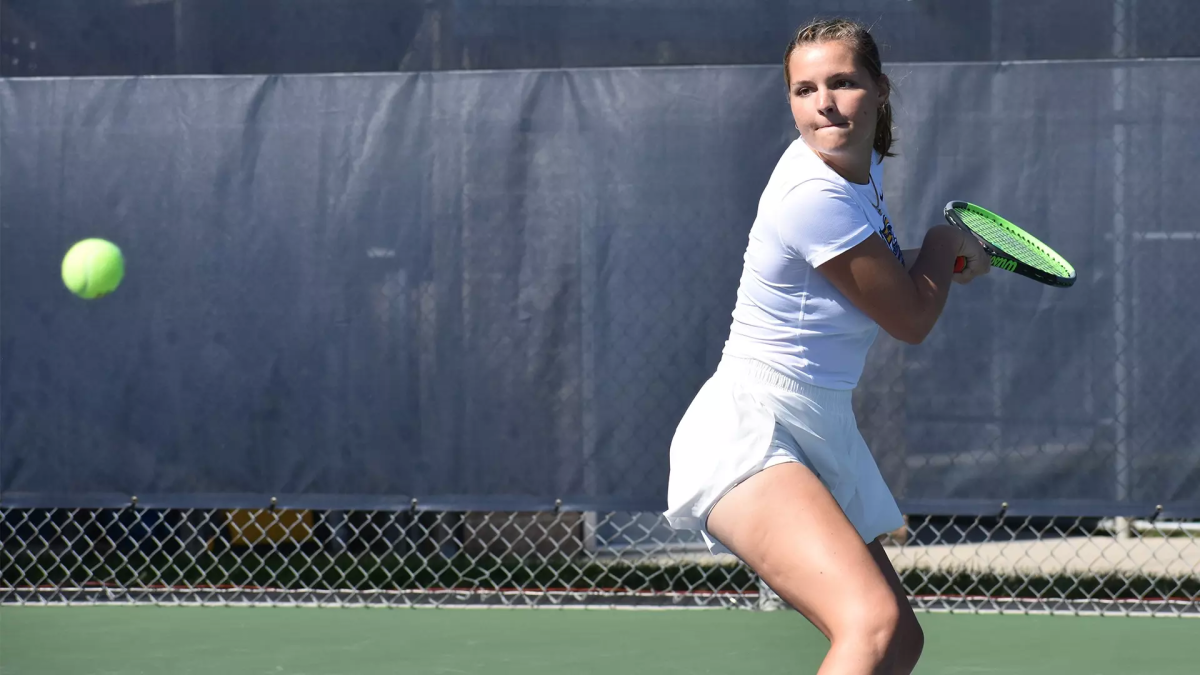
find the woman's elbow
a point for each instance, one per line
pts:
(911, 332)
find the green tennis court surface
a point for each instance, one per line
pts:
(294, 641)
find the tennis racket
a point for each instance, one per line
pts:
(1011, 248)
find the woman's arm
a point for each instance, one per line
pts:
(821, 222)
(905, 302)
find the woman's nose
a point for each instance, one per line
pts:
(824, 100)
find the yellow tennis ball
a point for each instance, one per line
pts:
(93, 268)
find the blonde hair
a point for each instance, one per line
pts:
(859, 40)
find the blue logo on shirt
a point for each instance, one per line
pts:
(890, 238)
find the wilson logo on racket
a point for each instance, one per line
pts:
(1011, 248)
(1004, 263)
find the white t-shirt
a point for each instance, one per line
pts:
(787, 314)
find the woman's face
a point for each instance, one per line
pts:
(835, 101)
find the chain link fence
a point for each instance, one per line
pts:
(549, 559)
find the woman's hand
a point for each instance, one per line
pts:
(978, 260)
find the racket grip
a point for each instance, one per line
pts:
(959, 263)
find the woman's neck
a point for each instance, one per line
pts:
(856, 170)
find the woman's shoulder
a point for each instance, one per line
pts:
(799, 166)
(801, 171)
(799, 163)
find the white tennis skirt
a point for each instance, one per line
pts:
(749, 417)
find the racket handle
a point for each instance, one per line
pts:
(959, 263)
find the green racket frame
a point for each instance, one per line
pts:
(1003, 260)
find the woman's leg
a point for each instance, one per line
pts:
(788, 528)
(910, 639)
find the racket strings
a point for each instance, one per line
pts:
(1012, 243)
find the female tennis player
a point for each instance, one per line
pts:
(768, 462)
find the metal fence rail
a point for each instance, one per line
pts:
(431, 558)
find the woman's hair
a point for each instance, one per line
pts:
(858, 38)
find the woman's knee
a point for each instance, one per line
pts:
(888, 633)
(871, 622)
